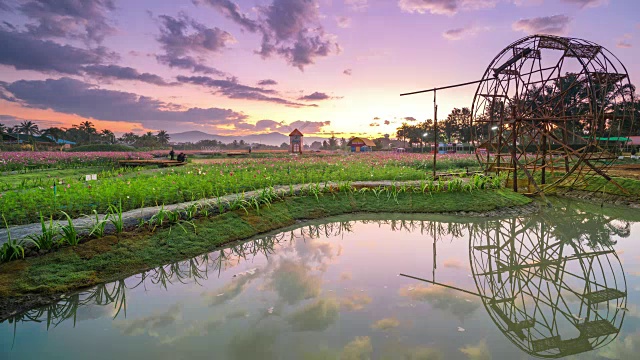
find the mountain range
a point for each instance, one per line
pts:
(273, 138)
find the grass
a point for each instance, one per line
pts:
(45, 177)
(109, 258)
(599, 184)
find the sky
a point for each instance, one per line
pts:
(239, 67)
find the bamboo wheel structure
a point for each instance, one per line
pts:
(551, 295)
(551, 110)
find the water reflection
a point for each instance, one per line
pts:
(551, 291)
(552, 283)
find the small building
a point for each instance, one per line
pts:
(358, 144)
(295, 142)
(65, 143)
(27, 139)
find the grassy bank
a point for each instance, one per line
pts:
(110, 258)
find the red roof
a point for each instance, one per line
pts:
(296, 132)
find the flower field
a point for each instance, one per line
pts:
(26, 160)
(212, 179)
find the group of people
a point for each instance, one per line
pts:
(182, 157)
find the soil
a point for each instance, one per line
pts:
(630, 171)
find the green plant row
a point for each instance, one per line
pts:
(54, 235)
(188, 183)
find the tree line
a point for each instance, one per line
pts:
(86, 133)
(456, 128)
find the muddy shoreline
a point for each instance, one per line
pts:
(599, 197)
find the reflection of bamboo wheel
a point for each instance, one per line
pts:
(551, 110)
(551, 298)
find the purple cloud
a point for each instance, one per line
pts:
(232, 11)
(343, 22)
(553, 25)
(443, 7)
(463, 32)
(232, 89)
(182, 36)
(587, 3)
(85, 20)
(24, 52)
(315, 96)
(267, 82)
(72, 96)
(123, 73)
(289, 28)
(275, 126)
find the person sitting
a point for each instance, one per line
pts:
(181, 157)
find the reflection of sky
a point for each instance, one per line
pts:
(312, 298)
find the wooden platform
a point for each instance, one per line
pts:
(238, 153)
(159, 163)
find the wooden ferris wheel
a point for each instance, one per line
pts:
(550, 110)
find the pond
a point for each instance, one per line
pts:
(561, 283)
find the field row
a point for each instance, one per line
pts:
(30, 160)
(168, 186)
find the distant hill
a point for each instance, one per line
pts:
(273, 138)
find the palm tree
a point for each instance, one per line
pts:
(163, 137)
(129, 138)
(3, 130)
(28, 128)
(54, 133)
(87, 128)
(109, 136)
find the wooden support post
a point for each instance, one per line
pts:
(499, 132)
(544, 155)
(514, 155)
(435, 132)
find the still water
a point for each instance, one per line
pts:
(562, 283)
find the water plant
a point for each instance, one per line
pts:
(13, 248)
(69, 232)
(99, 225)
(115, 216)
(158, 220)
(50, 231)
(191, 211)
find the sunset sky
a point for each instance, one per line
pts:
(257, 66)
